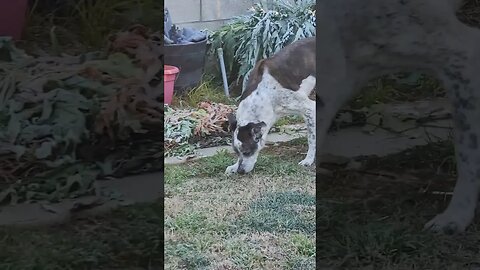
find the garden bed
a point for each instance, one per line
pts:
(68, 120)
(187, 129)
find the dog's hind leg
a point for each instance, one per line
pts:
(310, 115)
(307, 110)
(307, 86)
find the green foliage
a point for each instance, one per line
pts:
(264, 32)
(87, 23)
(52, 107)
(208, 91)
(96, 19)
(178, 129)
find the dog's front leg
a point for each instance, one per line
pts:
(465, 95)
(233, 168)
(461, 209)
(309, 117)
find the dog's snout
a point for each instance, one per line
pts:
(241, 171)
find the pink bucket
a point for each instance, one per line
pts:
(12, 17)
(169, 77)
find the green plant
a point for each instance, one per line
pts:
(207, 91)
(178, 128)
(265, 31)
(96, 18)
(87, 23)
(181, 125)
(59, 111)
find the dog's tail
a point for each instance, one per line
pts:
(307, 85)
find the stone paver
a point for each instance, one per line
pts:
(113, 193)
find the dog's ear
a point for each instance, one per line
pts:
(232, 122)
(257, 130)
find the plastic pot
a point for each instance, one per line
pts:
(190, 59)
(170, 74)
(12, 17)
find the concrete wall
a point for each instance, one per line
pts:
(206, 14)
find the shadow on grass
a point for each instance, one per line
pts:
(281, 212)
(126, 238)
(373, 218)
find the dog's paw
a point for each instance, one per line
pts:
(231, 170)
(307, 162)
(309, 82)
(448, 223)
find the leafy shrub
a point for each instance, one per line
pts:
(260, 34)
(59, 112)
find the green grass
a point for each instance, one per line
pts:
(263, 220)
(296, 142)
(190, 257)
(208, 90)
(301, 263)
(80, 26)
(126, 238)
(194, 223)
(243, 254)
(366, 220)
(95, 19)
(354, 236)
(303, 245)
(206, 167)
(281, 212)
(407, 87)
(289, 120)
(268, 164)
(438, 157)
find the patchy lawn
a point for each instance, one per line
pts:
(372, 218)
(265, 220)
(127, 238)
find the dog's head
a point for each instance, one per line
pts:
(247, 142)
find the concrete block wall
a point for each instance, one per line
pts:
(206, 14)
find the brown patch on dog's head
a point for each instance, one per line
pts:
(249, 136)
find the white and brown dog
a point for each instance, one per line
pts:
(277, 86)
(361, 40)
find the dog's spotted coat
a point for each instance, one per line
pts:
(258, 112)
(362, 39)
(278, 86)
